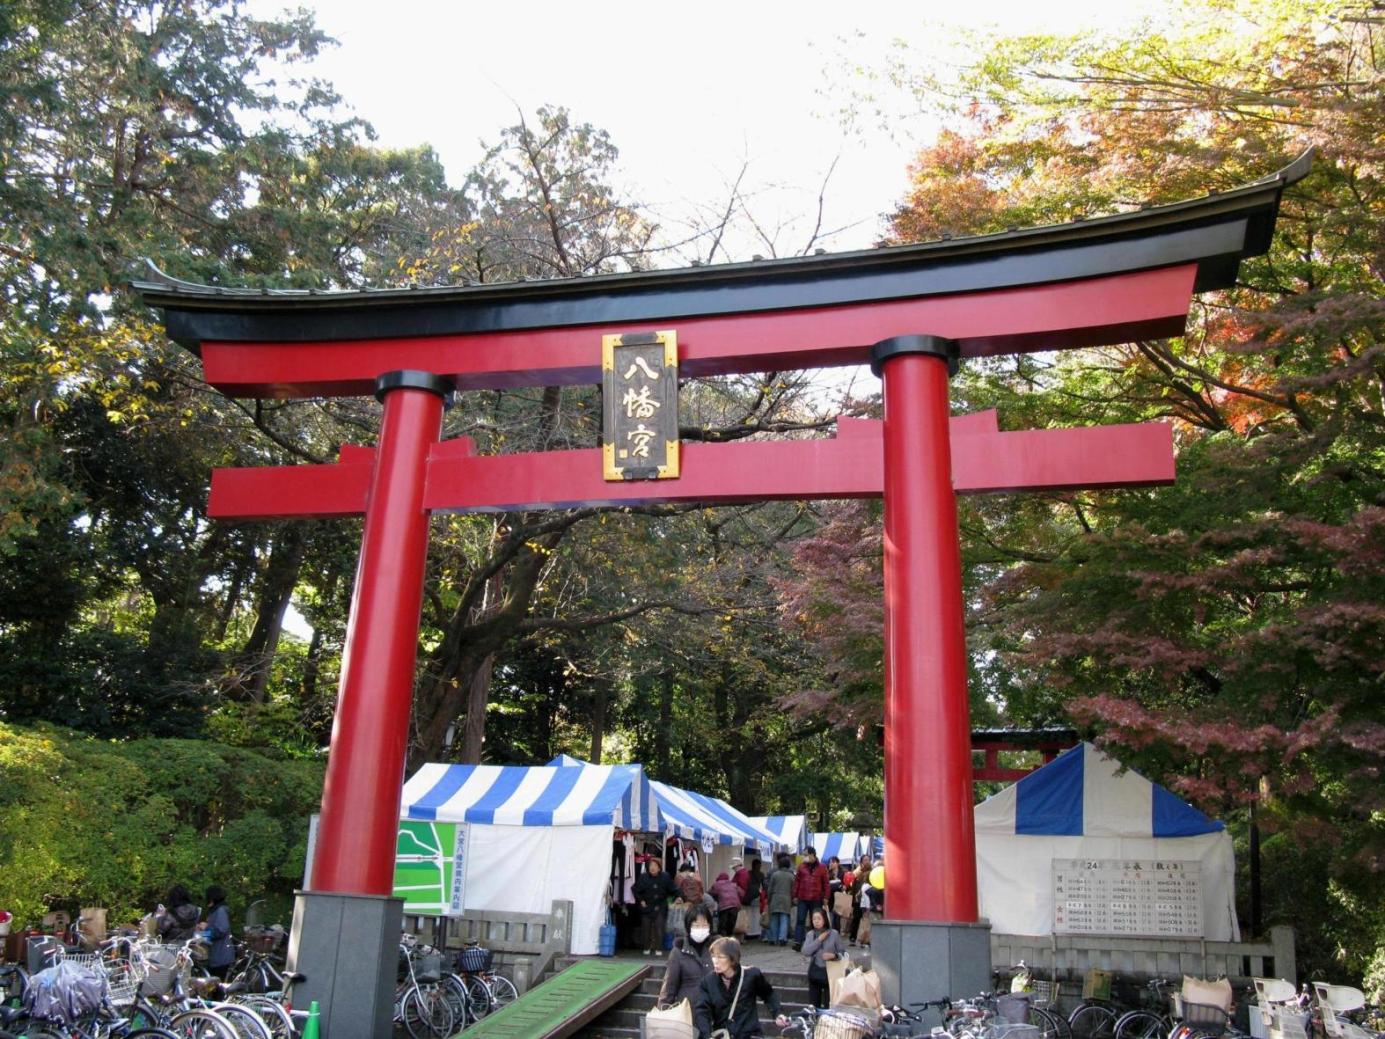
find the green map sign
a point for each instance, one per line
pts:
(430, 867)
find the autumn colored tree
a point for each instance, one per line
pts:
(1224, 634)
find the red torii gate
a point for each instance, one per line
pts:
(911, 311)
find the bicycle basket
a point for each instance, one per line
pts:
(1043, 993)
(121, 978)
(1013, 1008)
(1002, 1030)
(841, 1024)
(474, 959)
(157, 968)
(428, 969)
(263, 942)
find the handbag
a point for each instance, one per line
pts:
(742, 921)
(725, 1033)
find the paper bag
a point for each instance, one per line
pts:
(742, 921)
(836, 971)
(863, 932)
(860, 988)
(673, 1023)
(841, 904)
(92, 923)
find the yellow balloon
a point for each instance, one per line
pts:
(877, 878)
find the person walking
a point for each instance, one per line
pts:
(727, 996)
(835, 880)
(809, 890)
(217, 931)
(176, 920)
(754, 884)
(859, 878)
(779, 900)
(728, 897)
(653, 890)
(690, 961)
(822, 943)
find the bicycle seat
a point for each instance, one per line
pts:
(231, 988)
(293, 977)
(8, 1015)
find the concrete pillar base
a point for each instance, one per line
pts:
(347, 947)
(921, 961)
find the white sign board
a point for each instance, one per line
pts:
(1127, 896)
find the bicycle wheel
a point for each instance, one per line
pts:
(426, 1014)
(1093, 1021)
(247, 1023)
(478, 997)
(503, 991)
(1141, 1024)
(272, 1013)
(201, 1024)
(454, 991)
(150, 1033)
(1051, 1024)
(142, 1015)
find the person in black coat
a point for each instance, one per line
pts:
(732, 986)
(653, 890)
(691, 959)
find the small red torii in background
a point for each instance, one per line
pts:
(912, 312)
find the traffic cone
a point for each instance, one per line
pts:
(311, 1029)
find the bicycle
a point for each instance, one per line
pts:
(1147, 1021)
(486, 990)
(419, 1002)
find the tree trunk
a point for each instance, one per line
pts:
(281, 576)
(665, 726)
(600, 701)
(478, 696)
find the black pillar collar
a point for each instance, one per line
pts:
(409, 379)
(935, 346)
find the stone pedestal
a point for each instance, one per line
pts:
(924, 961)
(347, 947)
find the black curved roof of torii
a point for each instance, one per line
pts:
(1215, 231)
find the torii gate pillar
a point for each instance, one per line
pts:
(346, 925)
(930, 933)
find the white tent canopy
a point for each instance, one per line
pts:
(845, 846)
(1081, 806)
(545, 832)
(791, 831)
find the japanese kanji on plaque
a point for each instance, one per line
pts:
(640, 384)
(1127, 896)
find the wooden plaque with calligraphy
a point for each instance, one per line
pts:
(639, 379)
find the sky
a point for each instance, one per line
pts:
(690, 93)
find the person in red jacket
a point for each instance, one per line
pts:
(809, 890)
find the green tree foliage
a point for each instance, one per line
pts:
(85, 821)
(1224, 634)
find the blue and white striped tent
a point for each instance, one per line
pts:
(697, 817)
(1082, 807)
(790, 830)
(509, 795)
(845, 846)
(692, 816)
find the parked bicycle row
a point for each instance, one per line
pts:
(140, 988)
(1328, 1011)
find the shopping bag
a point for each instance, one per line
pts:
(863, 932)
(841, 904)
(836, 970)
(860, 988)
(742, 921)
(680, 1012)
(678, 919)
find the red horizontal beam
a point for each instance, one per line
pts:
(1089, 312)
(999, 775)
(849, 466)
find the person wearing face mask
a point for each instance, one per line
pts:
(690, 960)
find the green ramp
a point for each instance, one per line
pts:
(563, 1003)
